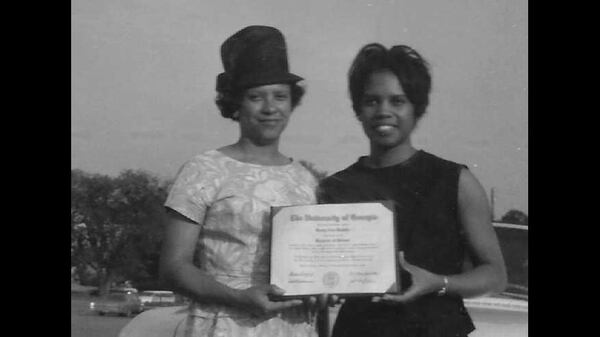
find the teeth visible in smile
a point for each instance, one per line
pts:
(384, 128)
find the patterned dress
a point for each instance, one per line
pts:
(231, 202)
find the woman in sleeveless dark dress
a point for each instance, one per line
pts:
(443, 217)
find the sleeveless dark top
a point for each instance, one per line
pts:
(424, 189)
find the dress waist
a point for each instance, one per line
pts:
(240, 280)
(233, 279)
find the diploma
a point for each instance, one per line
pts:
(344, 249)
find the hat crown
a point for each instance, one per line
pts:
(255, 55)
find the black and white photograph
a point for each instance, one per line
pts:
(193, 123)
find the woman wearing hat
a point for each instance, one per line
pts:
(216, 248)
(442, 213)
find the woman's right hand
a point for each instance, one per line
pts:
(256, 300)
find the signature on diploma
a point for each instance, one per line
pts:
(363, 277)
(304, 277)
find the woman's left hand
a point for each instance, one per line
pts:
(423, 282)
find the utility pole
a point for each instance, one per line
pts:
(492, 199)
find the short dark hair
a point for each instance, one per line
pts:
(228, 102)
(404, 62)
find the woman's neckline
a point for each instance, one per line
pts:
(364, 159)
(224, 155)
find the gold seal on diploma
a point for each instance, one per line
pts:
(331, 279)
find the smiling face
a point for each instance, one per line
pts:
(264, 113)
(386, 114)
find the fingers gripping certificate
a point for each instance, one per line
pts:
(334, 248)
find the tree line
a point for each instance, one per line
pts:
(116, 227)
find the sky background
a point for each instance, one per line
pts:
(143, 77)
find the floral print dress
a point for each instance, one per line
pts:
(231, 201)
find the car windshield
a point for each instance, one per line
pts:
(514, 243)
(156, 293)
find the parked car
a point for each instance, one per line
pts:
(118, 302)
(497, 316)
(159, 298)
(96, 292)
(506, 314)
(124, 290)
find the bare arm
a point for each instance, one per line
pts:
(489, 272)
(178, 270)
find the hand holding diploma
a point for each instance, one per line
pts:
(423, 282)
(256, 299)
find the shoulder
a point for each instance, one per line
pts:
(469, 185)
(341, 186)
(206, 160)
(302, 173)
(206, 157)
(437, 167)
(440, 162)
(206, 164)
(347, 174)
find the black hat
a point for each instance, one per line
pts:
(255, 55)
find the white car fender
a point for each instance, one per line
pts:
(162, 321)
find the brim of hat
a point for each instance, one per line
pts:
(265, 79)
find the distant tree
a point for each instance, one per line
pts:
(318, 174)
(515, 217)
(115, 225)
